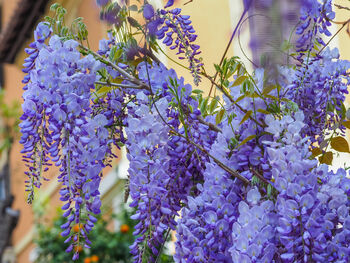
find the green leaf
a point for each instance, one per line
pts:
(267, 89)
(204, 105)
(103, 90)
(340, 144)
(255, 180)
(269, 190)
(197, 91)
(254, 94)
(190, 108)
(286, 100)
(240, 69)
(240, 98)
(246, 116)
(330, 107)
(239, 81)
(343, 110)
(115, 54)
(64, 31)
(213, 105)
(219, 116)
(50, 19)
(251, 137)
(217, 68)
(263, 111)
(346, 124)
(112, 53)
(118, 54)
(54, 7)
(271, 97)
(326, 158)
(286, 45)
(230, 118)
(316, 151)
(77, 20)
(133, 8)
(133, 22)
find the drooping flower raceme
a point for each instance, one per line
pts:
(59, 125)
(315, 17)
(320, 91)
(304, 222)
(163, 167)
(178, 27)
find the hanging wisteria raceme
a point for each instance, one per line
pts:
(205, 232)
(307, 217)
(149, 177)
(235, 176)
(320, 82)
(253, 233)
(175, 160)
(315, 17)
(33, 127)
(69, 132)
(333, 207)
(178, 33)
(297, 188)
(319, 90)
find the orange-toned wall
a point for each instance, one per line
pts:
(13, 88)
(214, 26)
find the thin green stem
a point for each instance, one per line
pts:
(229, 44)
(118, 85)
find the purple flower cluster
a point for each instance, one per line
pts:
(33, 126)
(315, 20)
(297, 188)
(227, 222)
(319, 90)
(306, 217)
(253, 233)
(111, 106)
(331, 217)
(204, 232)
(110, 12)
(59, 124)
(178, 33)
(148, 174)
(160, 163)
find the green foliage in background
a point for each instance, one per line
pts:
(109, 246)
(9, 121)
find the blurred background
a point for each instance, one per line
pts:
(31, 233)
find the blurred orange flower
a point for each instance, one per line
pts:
(78, 249)
(124, 228)
(77, 227)
(94, 258)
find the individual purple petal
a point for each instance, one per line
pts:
(102, 2)
(169, 3)
(148, 11)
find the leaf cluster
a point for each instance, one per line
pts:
(109, 246)
(9, 129)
